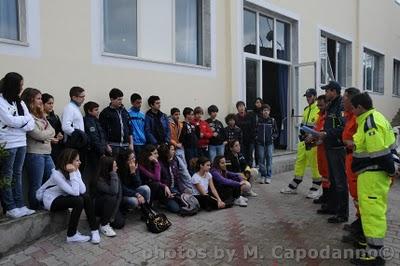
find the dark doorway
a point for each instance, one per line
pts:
(275, 93)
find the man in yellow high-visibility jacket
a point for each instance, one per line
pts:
(373, 161)
(307, 154)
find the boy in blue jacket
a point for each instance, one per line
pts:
(266, 132)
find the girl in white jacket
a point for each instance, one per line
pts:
(65, 189)
(15, 121)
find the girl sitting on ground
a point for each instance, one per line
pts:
(108, 195)
(66, 190)
(203, 186)
(134, 193)
(237, 163)
(228, 184)
(150, 173)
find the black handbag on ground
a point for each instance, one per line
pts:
(156, 222)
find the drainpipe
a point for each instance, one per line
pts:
(357, 44)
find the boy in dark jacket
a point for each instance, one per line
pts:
(266, 132)
(189, 135)
(232, 132)
(115, 121)
(156, 123)
(217, 142)
(97, 142)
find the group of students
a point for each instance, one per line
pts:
(350, 147)
(110, 162)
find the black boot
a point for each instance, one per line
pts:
(370, 258)
(323, 198)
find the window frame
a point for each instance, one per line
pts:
(348, 57)
(207, 56)
(22, 27)
(396, 77)
(381, 68)
(275, 20)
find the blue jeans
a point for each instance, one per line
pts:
(11, 174)
(181, 154)
(138, 149)
(215, 150)
(265, 159)
(142, 190)
(38, 168)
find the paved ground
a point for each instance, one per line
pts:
(271, 231)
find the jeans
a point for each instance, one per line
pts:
(215, 150)
(133, 201)
(105, 207)
(11, 173)
(138, 149)
(265, 159)
(248, 150)
(38, 168)
(180, 152)
(190, 153)
(77, 204)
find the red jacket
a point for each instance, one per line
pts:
(205, 130)
(350, 126)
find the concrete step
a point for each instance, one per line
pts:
(283, 162)
(16, 234)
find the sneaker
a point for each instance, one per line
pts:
(14, 213)
(95, 237)
(251, 193)
(268, 180)
(244, 199)
(262, 181)
(288, 190)
(240, 202)
(78, 238)
(107, 230)
(25, 211)
(313, 194)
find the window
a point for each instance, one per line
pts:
(373, 71)
(335, 60)
(396, 77)
(283, 40)
(266, 37)
(274, 36)
(188, 21)
(167, 31)
(251, 81)
(120, 27)
(250, 32)
(12, 20)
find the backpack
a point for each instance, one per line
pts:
(189, 205)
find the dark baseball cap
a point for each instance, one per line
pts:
(310, 92)
(333, 85)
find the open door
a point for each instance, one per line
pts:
(304, 77)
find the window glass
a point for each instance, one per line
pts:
(266, 28)
(282, 40)
(250, 35)
(9, 26)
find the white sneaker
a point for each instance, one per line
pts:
(95, 237)
(78, 238)
(313, 194)
(268, 180)
(288, 190)
(262, 180)
(14, 213)
(244, 199)
(25, 211)
(240, 202)
(107, 230)
(251, 193)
